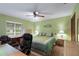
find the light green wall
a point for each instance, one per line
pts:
(3, 18)
(56, 25)
(76, 10)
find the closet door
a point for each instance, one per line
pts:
(78, 29)
(73, 28)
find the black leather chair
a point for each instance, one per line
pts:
(5, 39)
(26, 43)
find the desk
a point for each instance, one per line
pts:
(16, 41)
(7, 50)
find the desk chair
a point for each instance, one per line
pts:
(5, 39)
(26, 43)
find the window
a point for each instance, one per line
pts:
(14, 29)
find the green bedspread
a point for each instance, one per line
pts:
(43, 44)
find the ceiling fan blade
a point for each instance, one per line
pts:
(39, 15)
(45, 13)
(28, 13)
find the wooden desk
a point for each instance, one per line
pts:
(7, 50)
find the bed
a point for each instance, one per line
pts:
(44, 44)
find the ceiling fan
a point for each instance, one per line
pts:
(35, 12)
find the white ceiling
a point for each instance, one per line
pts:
(50, 10)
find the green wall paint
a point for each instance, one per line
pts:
(62, 23)
(76, 10)
(3, 18)
(56, 24)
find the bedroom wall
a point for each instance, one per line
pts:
(58, 24)
(76, 10)
(29, 26)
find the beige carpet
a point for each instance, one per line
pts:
(71, 48)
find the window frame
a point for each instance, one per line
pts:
(14, 28)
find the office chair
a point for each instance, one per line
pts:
(26, 43)
(5, 39)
